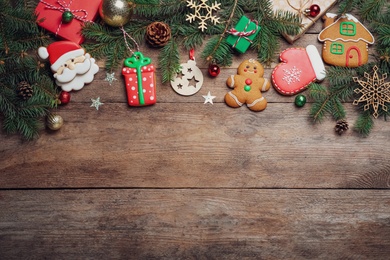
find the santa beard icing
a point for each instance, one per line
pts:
(75, 79)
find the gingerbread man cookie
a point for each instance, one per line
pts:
(247, 86)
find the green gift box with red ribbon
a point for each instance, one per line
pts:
(241, 36)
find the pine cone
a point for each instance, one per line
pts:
(341, 126)
(25, 91)
(158, 34)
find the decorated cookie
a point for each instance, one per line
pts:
(345, 41)
(140, 80)
(298, 68)
(247, 86)
(72, 67)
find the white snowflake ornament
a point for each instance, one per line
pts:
(203, 12)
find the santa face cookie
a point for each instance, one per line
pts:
(345, 41)
(298, 68)
(72, 67)
(247, 86)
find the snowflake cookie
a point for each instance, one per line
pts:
(299, 68)
(203, 12)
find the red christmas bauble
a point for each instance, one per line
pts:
(214, 70)
(313, 11)
(64, 97)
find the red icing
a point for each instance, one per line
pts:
(248, 81)
(354, 48)
(293, 59)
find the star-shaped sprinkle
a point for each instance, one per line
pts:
(96, 103)
(208, 99)
(110, 77)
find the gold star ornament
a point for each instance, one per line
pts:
(375, 92)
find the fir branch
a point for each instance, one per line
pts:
(222, 55)
(370, 9)
(266, 44)
(169, 61)
(364, 123)
(159, 8)
(109, 43)
(212, 53)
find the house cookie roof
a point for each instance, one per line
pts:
(332, 32)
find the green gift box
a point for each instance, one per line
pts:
(243, 34)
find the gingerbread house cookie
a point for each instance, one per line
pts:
(345, 41)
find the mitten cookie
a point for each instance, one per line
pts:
(345, 41)
(247, 86)
(299, 68)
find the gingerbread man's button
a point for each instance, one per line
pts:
(248, 81)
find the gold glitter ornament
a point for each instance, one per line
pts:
(54, 122)
(116, 13)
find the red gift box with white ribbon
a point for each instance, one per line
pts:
(49, 16)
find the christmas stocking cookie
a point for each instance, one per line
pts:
(299, 68)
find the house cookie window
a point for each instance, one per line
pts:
(348, 28)
(337, 48)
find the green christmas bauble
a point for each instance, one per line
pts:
(300, 100)
(67, 17)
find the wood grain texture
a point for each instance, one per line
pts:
(195, 224)
(187, 180)
(195, 145)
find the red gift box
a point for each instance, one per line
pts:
(148, 85)
(50, 12)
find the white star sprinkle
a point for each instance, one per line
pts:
(208, 99)
(110, 77)
(96, 103)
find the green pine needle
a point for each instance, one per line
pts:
(364, 123)
(169, 61)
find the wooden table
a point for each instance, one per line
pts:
(188, 180)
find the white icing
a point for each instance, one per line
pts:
(316, 62)
(331, 15)
(351, 17)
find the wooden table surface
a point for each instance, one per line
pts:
(188, 180)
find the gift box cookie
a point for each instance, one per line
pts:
(140, 80)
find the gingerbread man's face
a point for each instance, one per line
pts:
(251, 68)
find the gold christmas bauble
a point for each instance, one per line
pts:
(54, 122)
(116, 12)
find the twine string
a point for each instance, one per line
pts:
(244, 34)
(63, 7)
(125, 36)
(301, 8)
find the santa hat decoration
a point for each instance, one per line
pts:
(299, 68)
(59, 52)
